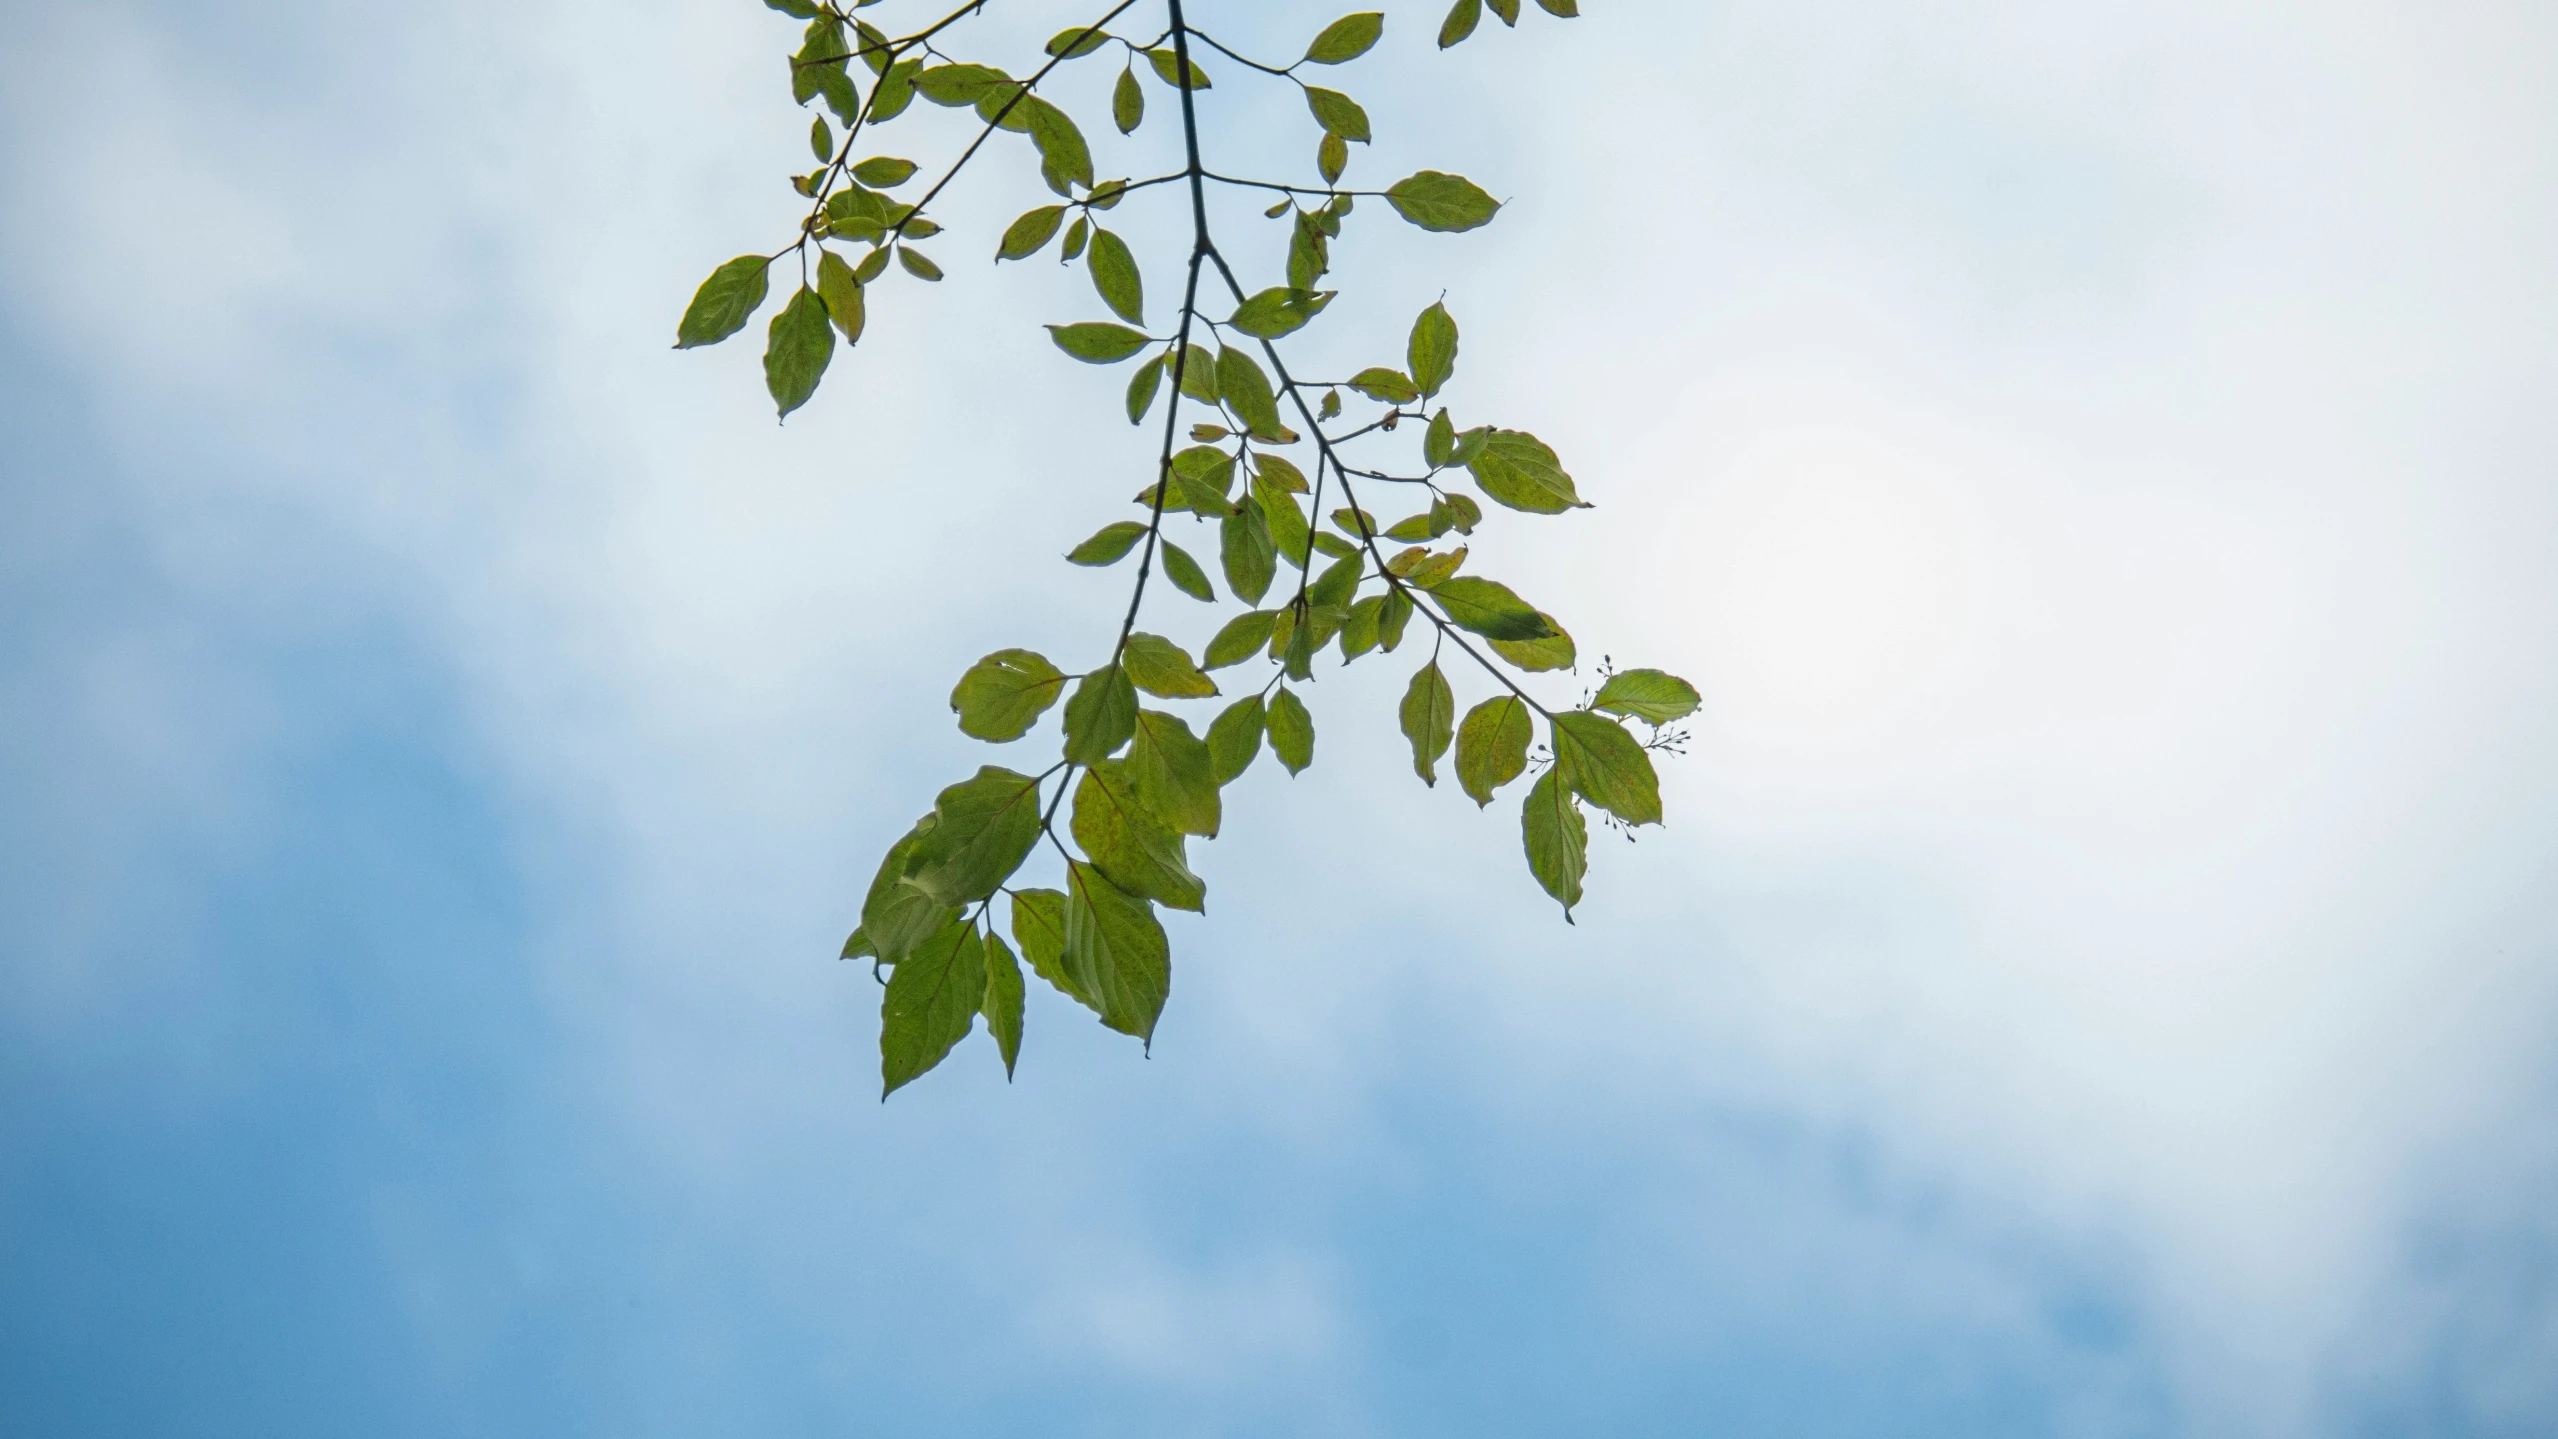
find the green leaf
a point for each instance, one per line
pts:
(1347, 38)
(1516, 469)
(1442, 202)
(1309, 253)
(1558, 840)
(724, 303)
(1464, 513)
(1245, 388)
(1115, 275)
(1141, 388)
(1299, 638)
(1378, 383)
(1244, 546)
(1100, 715)
(1332, 156)
(797, 9)
(1168, 69)
(842, 294)
(1338, 582)
(1429, 716)
(1109, 545)
(1413, 529)
(881, 172)
(1127, 103)
(1337, 113)
(1392, 616)
(1096, 343)
(1004, 694)
(1282, 473)
(985, 829)
(1605, 766)
(1039, 927)
(1172, 773)
(896, 916)
(1554, 652)
(1162, 668)
(1115, 947)
(1462, 19)
(1359, 627)
(1651, 696)
(1076, 234)
(857, 945)
(1130, 843)
(1508, 10)
(931, 1004)
(821, 139)
(1489, 609)
(1568, 9)
(1242, 638)
(956, 85)
(1199, 374)
(916, 263)
(1002, 1004)
(1292, 731)
(1185, 574)
(1279, 311)
(1492, 746)
(1029, 234)
(1289, 533)
(1061, 144)
(1076, 43)
(1234, 739)
(797, 347)
(894, 92)
(1432, 350)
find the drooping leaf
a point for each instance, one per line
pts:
(1347, 38)
(1439, 444)
(1379, 383)
(1492, 746)
(896, 916)
(1359, 628)
(1141, 388)
(985, 828)
(1442, 202)
(796, 349)
(1100, 715)
(1109, 544)
(1096, 343)
(1245, 387)
(1185, 574)
(1462, 18)
(1115, 275)
(1168, 69)
(1029, 234)
(1392, 616)
(1508, 10)
(1488, 608)
(1003, 1002)
(1162, 668)
(1127, 103)
(1039, 927)
(1141, 854)
(1292, 731)
(1554, 652)
(1172, 773)
(1652, 696)
(930, 1004)
(1605, 766)
(894, 92)
(1076, 234)
(1061, 144)
(821, 139)
(1234, 738)
(1557, 838)
(1282, 473)
(1337, 113)
(916, 263)
(1276, 312)
(1115, 947)
(1339, 581)
(1332, 156)
(1004, 694)
(1289, 534)
(1429, 715)
(1432, 351)
(842, 294)
(1199, 374)
(1516, 468)
(1245, 548)
(724, 303)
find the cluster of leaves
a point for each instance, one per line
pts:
(1142, 779)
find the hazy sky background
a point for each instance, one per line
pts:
(2097, 978)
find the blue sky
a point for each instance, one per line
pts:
(2097, 978)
